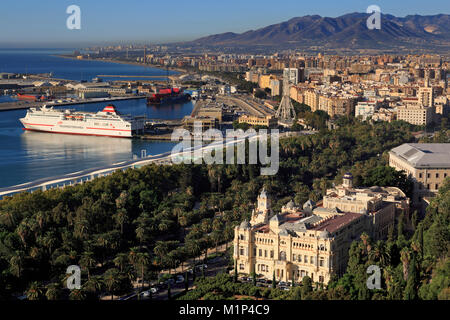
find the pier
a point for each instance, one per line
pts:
(20, 105)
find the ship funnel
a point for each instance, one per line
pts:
(110, 108)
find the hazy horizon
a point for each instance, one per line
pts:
(43, 23)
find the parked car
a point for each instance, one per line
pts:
(201, 266)
(146, 294)
(180, 279)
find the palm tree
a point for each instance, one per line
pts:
(161, 250)
(40, 218)
(183, 221)
(405, 258)
(23, 232)
(111, 280)
(365, 239)
(77, 295)
(16, 263)
(142, 261)
(121, 217)
(53, 292)
(8, 218)
(172, 260)
(34, 292)
(194, 249)
(228, 234)
(94, 284)
(87, 262)
(121, 260)
(379, 254)
(216, 236)
(50, 241)
(140, 234)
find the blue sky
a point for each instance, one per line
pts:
(43, 23)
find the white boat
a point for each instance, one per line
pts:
(108, 122)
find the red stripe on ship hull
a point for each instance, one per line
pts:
(109, 129)
(77, 134)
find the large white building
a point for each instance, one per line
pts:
(428, 164)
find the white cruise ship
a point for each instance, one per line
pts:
(107, 122)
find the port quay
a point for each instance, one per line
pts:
(80, 177)
(20, 105)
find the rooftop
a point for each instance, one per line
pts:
(337, 222)
(424, 155)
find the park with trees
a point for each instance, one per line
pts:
(133, 224)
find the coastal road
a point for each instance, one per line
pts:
(86, 175)
(166, 158)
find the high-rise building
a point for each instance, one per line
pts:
(425, 94)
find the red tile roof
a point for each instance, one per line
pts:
(337, 222)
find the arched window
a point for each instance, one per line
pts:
(283, 256)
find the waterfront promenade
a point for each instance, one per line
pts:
(62, 181)
(166, 158)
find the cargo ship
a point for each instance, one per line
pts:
(168, 96)
(29, 97)
(107, 123)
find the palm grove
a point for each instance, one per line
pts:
(136, 223)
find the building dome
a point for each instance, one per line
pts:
(309, 205)
(276, 217)
(263, 193)
(290, 205)
(348, 175)
(245, 225)
(325, 234)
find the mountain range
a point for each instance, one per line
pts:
(347, 31)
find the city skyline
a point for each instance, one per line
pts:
(156, 22)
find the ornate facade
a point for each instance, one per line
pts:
(314, 240)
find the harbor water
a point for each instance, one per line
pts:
(29, 156)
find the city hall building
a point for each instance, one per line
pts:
(314, 240)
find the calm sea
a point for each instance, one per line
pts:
(28, 156)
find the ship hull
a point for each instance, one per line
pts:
(74, 127)
(80, 134)
(159, 100)
(80, 129)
